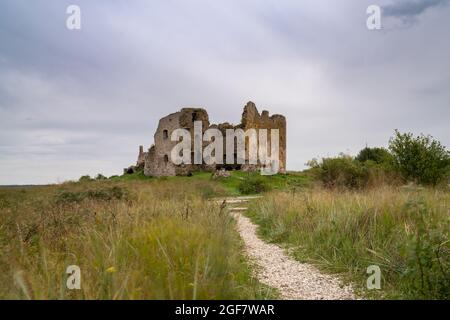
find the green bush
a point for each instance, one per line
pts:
(377, 174)
(100, 177)
(421, 159)
(348, 173)
(377, 155)
(342, 171)
(253, 184)
(85, 178)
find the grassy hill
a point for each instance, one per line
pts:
(136, 237)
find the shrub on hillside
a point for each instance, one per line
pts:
(253, 184)
(100, 177)
(422, 158)
(377, 155)
(85, 178)
(342, 171)
(350, 173)
(377, 174)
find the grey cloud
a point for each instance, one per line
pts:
(410, 8)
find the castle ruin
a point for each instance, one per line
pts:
(156, 161)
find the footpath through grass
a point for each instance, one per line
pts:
(403, 231)
(136, 237)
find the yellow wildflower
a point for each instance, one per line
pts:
(111, 270)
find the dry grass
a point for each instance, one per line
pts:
(132, 240)
(405, 231)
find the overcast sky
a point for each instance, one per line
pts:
(80, 102)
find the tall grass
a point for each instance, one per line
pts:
(403, 231)
(131, 240)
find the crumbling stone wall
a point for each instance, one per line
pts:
(252, 119)
(141, 157)
(157, 161)
(140, 163)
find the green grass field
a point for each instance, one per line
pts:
(230, 185)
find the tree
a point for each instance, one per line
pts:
(420, 158)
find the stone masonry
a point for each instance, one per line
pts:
(156, 161)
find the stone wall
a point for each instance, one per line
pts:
(157, 161)
(252, 119)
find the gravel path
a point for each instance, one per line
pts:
(294, 280)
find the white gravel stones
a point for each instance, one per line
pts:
(294, 280)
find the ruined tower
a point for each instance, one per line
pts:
(157, 160)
